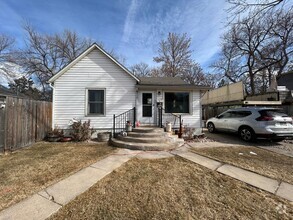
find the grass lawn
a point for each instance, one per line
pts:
(265, 162)
(31, 169)
(173, 188)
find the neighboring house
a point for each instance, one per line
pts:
(285, 85)
(286, 80)
(95, 86)
(279, 95)
(4, 92)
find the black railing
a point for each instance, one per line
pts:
(120, 121)
(161, 116)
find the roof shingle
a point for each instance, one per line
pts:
(161, 81)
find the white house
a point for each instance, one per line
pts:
(95, 86)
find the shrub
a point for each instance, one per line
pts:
(81, 131)
(56, 132)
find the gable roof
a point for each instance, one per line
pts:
(82, 55)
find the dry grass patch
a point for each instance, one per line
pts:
(27, 171)
(172, 188)
(265, 162)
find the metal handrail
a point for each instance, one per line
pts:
(160, 121)
(119, 121)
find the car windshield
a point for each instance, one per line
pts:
(273, 113)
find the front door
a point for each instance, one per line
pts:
(147, 105)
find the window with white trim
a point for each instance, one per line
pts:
(96, 102)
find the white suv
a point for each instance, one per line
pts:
(253, 122)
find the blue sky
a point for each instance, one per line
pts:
(133, 28)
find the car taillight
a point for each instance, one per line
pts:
(265, 118)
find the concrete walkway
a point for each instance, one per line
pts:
(282, 189)
(48, 201)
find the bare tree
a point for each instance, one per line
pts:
(70, 45)
(141, 69)
(156, 72)
(8, 67)
(227, 65)
(280, 49)
(174, 54)
(254, 49)
(119, 57)
(195, 75)
(254, 8)
(46, 54)
(6, 44)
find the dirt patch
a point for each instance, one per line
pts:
(173, 188)
(27, 171)
(266, 163)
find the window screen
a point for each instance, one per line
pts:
(96, 102)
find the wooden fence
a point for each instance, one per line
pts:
(25, 121)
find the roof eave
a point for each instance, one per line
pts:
(173, 87)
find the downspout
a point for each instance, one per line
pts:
(201, 94)
(53, 105)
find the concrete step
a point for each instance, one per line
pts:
(144, 146)
(148, 130)
(144, 139)
(147, 134)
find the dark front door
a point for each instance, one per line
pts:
(147, 105)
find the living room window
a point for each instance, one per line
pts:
(176, 102)
(96, 102)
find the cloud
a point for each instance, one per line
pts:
(202, 20)
(130, 19)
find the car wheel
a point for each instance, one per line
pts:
(247, 134)
(211, 127)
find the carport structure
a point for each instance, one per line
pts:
(229, 96)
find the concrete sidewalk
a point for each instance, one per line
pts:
(282, 189)
(48, 201)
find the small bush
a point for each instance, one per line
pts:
(56, 132)
(81, 131)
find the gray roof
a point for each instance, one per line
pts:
(286, 79)
(161, 81)
(174, 83)
(5, 91)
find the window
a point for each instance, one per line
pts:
(176, 102)
(96, 102)
(273, 113)
(241, 114)
(225, 115)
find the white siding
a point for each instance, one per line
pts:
(194, 118)
(94, 71)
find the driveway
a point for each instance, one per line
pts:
(233, 140)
